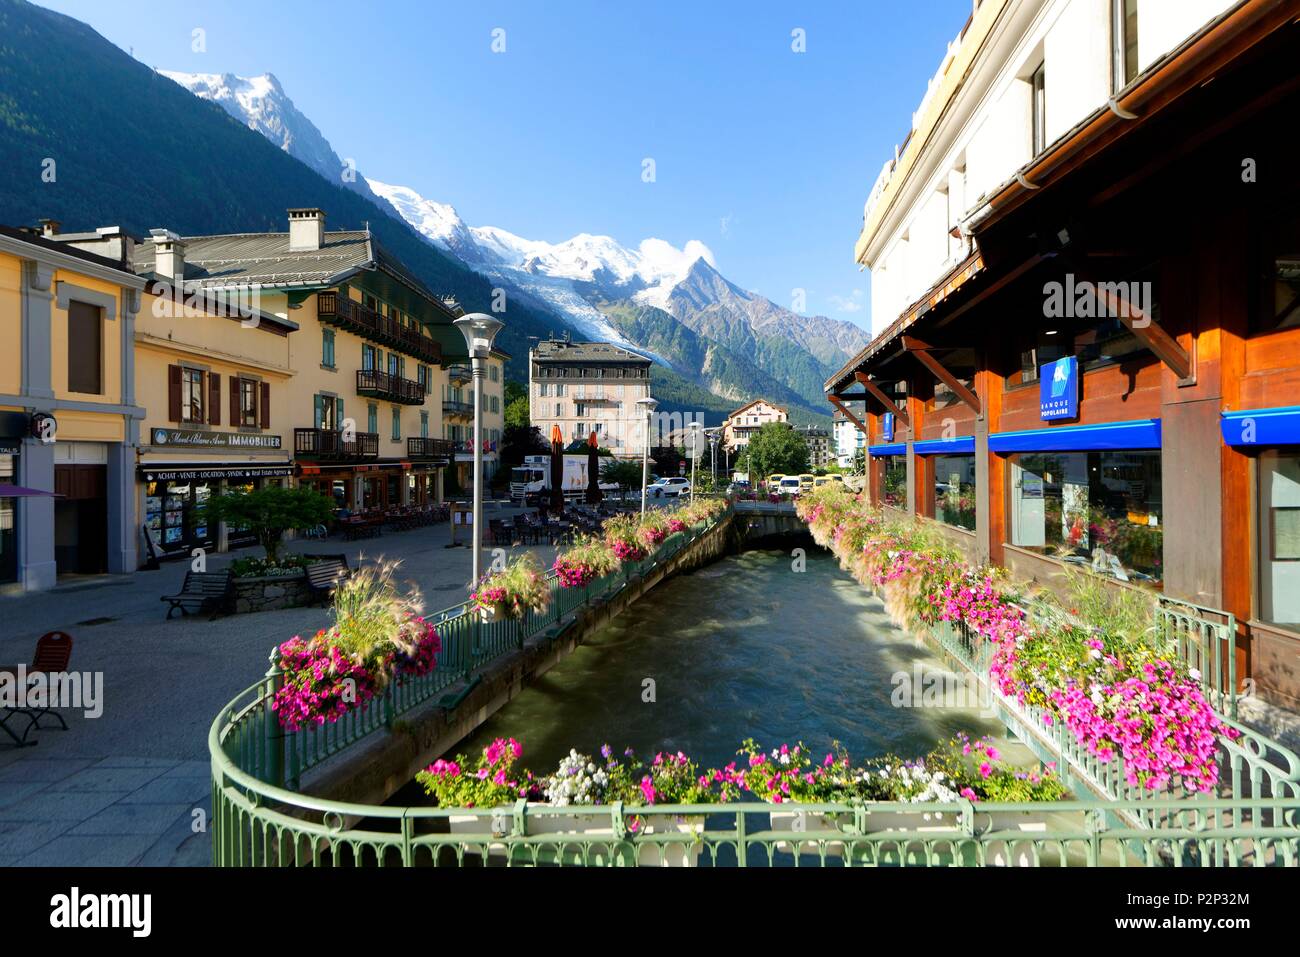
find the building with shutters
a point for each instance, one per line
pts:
(69, 416)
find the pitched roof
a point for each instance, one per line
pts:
(556, 350)
(754, 402)
(266, 259)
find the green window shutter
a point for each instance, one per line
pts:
(338, 413)
(320, 409)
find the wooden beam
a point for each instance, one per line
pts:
(922, 352)
(885, 400)
(850, 416)
(1165, 347)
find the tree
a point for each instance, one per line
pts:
(776, 448)
(270, 512)
(624, 473)
(516, 402)
(520, 440)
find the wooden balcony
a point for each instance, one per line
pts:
(457, 409)
(424, 449)
(355, 318)
(393, 388)
(328, 445)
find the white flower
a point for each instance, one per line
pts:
(1194, 674)
(1095, 653)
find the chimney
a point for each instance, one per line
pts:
(49, 227)
(306, 229)
(169, 255)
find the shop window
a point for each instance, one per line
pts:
(8, 520)
(85, 348)
(1279, 538)
(894, 484)
(1100, 510)
(1279, 303)
(954, 490)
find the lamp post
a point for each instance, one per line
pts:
(695, 454)
(713, 455)
(479, 329)
(649, 404)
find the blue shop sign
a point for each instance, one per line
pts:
(1058, 390)
(887, 424)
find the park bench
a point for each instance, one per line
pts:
(201, 591)
(324, 576)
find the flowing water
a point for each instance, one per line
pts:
(745, 647)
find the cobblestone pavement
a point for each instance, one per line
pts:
(125, 787)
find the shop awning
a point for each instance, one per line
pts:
(887, 449)
(18, 491)
(961, 445)
(1280, 426)
(1137, 434)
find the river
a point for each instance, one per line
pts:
(745, 647)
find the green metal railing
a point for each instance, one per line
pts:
(258, 744)
(260, 818)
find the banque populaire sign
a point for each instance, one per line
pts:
(1058, 390)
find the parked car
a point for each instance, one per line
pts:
(672, 486)
(806, 480)
(790, 485)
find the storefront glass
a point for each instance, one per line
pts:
(1279, 538)
(894, 485)
(172, 515)
(1098, 509)
(954, 490)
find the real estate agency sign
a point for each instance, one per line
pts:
(1058, 390)
(194, 438)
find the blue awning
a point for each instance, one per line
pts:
(900, 449)
(1279, 426)
(1138, 434)
(960, 445)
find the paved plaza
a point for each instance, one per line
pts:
(123, 788)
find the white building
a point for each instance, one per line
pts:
(849, 440)
(1019, 76)
(586, 387)
(745, 422)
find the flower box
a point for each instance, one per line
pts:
(591, 827)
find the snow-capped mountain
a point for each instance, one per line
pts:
(261, 104)
(601, 288)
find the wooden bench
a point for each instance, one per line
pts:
(324, 576)
(201, 591)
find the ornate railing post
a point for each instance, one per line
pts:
(274, 738)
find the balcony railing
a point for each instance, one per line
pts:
(459, 372)
(329, 444)
(457, 407)
(394, 388)
(418, 448)
(354, 317)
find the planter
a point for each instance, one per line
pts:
(597, 828)
(831, 828)
(269, 592)
(817, 827)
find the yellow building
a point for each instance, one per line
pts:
(69, 418)
(743, 424)
(458, 416)
(363, 418)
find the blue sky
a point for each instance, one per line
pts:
(763, 154)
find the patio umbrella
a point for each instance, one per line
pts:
(594, 494)
(557, 469)
(17, 491)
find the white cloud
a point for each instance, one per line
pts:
(854, 302)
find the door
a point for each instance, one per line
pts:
(81, 519)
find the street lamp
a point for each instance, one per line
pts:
(649, 404)
(695, 454)
(479, 330)
(713, 455)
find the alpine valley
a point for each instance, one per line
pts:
(670, 304)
